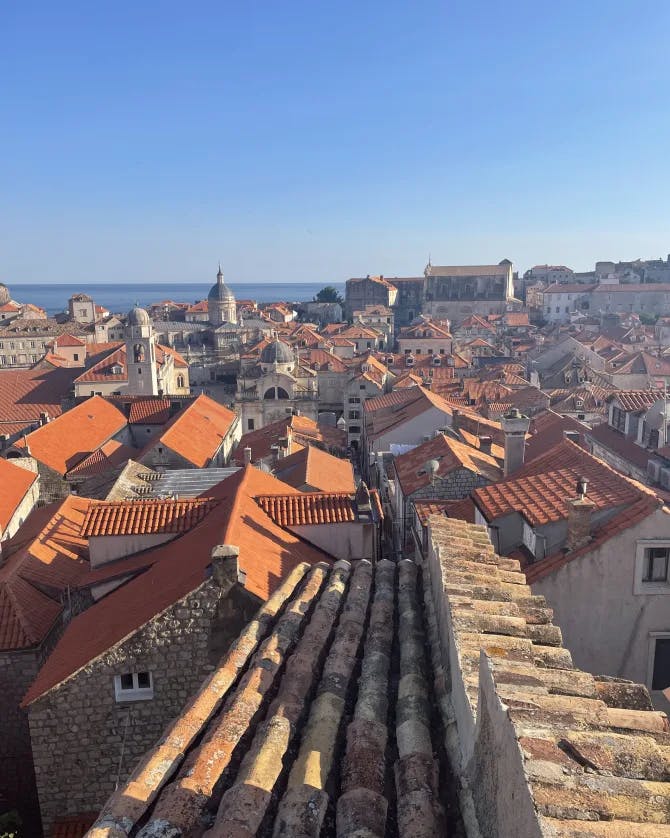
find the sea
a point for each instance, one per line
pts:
(120, 298)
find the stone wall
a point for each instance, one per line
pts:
(17, 779)
(538, 746)
(95, 740)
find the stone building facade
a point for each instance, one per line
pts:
(96, 740)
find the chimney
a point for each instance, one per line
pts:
(580, 510)
(247, 456)
(225, 568)
(485, 443)
(572, 435)
(515, 427)
(455, 418)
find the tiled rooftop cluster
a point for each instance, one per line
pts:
(542, 748)
(316, 722)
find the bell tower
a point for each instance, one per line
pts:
(141, 354)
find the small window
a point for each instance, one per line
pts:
(361, 386)
(134, 686)
(655, 564)
(250, 424)
(76, 356)
(660, 674)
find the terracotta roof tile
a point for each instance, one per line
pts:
(541, 489)
(145, 517)
(304, 431)
(110, 455)
(72, 826)
(25, 394)
(383, 413)
(316, 469)
(450, 454)
(14, 485)
(313, 508)
(66, 441)
(196, 432)
(267, 554)
(149, 412)
(48, 553)
(636, 400)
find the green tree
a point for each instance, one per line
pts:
(329, 294)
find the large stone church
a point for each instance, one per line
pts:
(276, 386)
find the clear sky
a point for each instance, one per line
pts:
(310, 141)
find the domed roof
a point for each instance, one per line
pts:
(138, 317)
(277, 352)
(220, 291)
(4, 294)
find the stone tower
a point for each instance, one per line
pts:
(221, 302)
(141, 354)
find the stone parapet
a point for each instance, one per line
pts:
(541, 748)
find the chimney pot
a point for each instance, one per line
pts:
(485, 443)
(247, 456)
(515, 427)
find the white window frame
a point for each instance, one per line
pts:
(640, 587)
(136, 693)
(653, 637)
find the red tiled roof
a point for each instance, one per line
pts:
(69, 340)
(461, 509)
(621, 521)
(548, 429)
(24, 394)
(267, 554)
(14, 485)
(320, 359)
(312, 508)
(450, 454)
(66, 441)
(72, 826)
(541, 490)
(304, 431)
(636, 400)
(196, 432)
(316, 468)
(48, 553)
(110, 455)
(145, 517)
(149, 411)
(624, 446)
(383, 413)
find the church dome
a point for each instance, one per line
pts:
(220, 291)
(138, 317)
(4, 294)
(277, 352)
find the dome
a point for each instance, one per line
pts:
(138, 317)
(277, 352)
(220, 290)
(4, 294)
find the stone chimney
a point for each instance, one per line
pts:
(225, 566)
(580, 510)
(455, 417)
(485, 443)
(247, 456)
(515, 427)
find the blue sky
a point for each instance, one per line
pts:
(312, 141)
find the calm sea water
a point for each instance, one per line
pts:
(120, 298)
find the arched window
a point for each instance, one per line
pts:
(281, 393)
(180, 381)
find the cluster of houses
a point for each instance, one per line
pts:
(307, 500)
